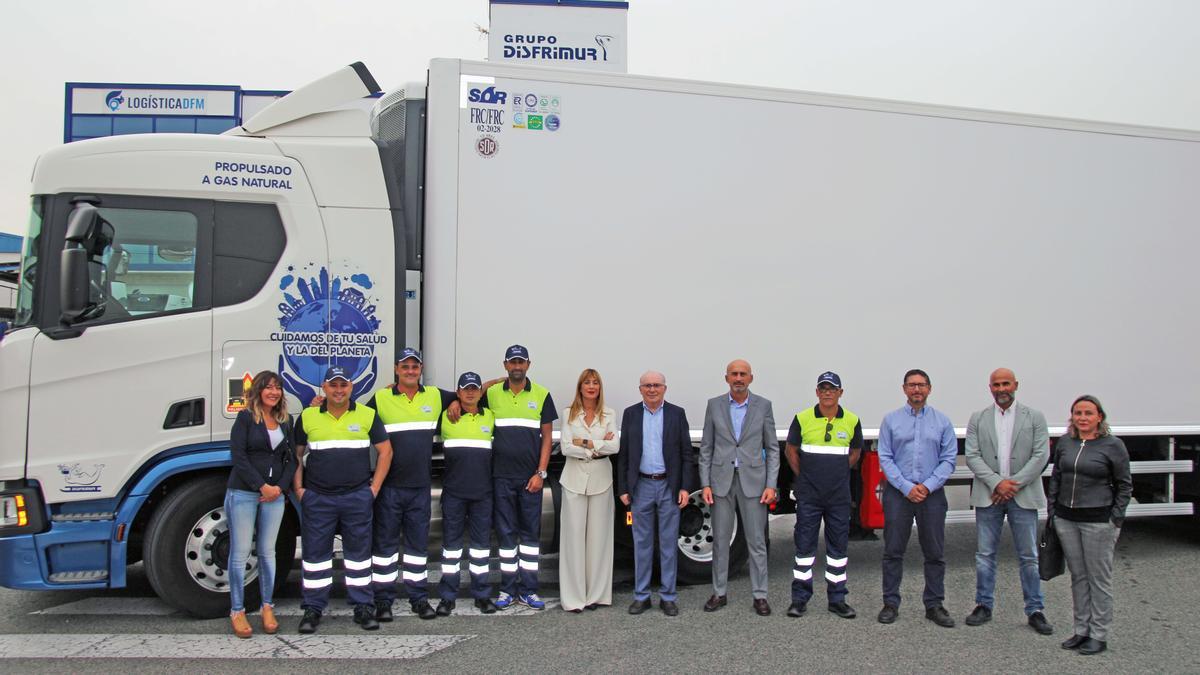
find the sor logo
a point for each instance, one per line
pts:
(114, 100)
(327, 322)
(487, 146)
(489, 95)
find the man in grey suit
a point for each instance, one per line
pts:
(1007, 448)
(739, 465)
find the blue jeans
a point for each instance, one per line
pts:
(1024, 524)
(243, 510)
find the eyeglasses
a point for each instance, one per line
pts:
(915, 385)
(826, 389)
(652, 385)
(828, 429)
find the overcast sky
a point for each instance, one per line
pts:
(1115, 60)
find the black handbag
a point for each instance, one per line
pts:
(1051, 562)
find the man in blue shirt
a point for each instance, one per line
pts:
(656, 469)
(917, 451)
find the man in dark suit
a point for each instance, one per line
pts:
(655, 467)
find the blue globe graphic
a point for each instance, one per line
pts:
(311, 318)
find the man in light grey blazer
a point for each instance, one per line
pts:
(739, 466)
(1007, 448)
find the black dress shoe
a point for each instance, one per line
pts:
(1074, 641)
(888, 614)
(1038, 622)
(668, 607)
(592, 606)
(843, 610)
(797, 609)
(423, 610)
(383, 612)
(310, 621)
(364, 615)
(980, 616)
(714, 603)
(486, 606)
(639, 606)
(940, 616)
(762, 607)
(445, 608)
(1092, 646)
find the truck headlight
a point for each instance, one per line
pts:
(13, 508)
(21, 511)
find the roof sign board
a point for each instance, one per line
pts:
(586, 34)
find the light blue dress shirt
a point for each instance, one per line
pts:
(652, 441)
(917, 447)
(737, 415)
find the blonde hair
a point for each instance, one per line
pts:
(577, 404)
(254, 397)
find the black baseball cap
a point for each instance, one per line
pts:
(469, 379)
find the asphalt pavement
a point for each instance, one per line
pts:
(1155, 628)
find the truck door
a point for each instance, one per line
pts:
(132, 378)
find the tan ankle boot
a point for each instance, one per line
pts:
(270, 625)
(241, 627)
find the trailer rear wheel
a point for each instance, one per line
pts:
(696, 543)
(186, 551)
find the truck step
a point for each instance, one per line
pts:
(82, 517)
(80, 577)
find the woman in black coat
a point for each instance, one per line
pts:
(263, 464)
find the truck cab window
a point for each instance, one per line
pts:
(27, 287)
(150, 267)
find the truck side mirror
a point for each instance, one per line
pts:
(88, 235)
(88, 230)
(74, 285)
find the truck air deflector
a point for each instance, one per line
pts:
(368, 80)
(338, 88)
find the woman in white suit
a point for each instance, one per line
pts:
(589, 436)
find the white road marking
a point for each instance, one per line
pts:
(112, 606)
(288, 607)
(123, 646)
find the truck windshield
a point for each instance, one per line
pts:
(26, 289)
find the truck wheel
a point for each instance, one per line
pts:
(696, 543)
(186, 551)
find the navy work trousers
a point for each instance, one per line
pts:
(475, 517)
(400, 510)
(809, 514)
(518, 518)
(324, 516)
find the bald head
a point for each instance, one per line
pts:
(1003, 385)
(739, 376)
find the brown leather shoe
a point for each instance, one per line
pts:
(241, 627)
(762, 607)
(270, 625)
(715, 602)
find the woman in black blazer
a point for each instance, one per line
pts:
(263, 464)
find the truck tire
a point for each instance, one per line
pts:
(696, 543)
(186, 551)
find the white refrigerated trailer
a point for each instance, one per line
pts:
(611, 221)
